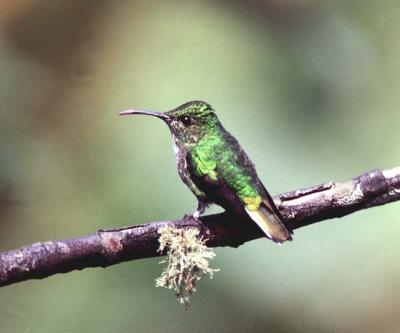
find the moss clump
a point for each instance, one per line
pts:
(187, 261)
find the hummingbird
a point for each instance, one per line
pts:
(216, 169)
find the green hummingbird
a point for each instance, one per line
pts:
(216, 169)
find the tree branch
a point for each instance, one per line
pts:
(109, 247)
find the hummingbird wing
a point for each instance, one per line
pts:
(228, 177)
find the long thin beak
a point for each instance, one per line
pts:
(148, 113)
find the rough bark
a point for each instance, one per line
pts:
(109, 247)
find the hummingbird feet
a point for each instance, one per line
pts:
(201, 208)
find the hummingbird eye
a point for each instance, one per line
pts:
(185, 120)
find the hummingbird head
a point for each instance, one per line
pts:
(188, 122)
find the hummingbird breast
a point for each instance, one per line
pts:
(183, 171)
(180, 158)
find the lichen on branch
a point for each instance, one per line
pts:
(187, 261)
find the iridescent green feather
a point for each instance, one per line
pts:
(213, 157)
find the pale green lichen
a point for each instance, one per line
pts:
(187, 261)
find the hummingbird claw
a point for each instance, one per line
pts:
(201, 208)
(196, 215)
(193, 216)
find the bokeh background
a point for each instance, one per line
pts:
(311, 90)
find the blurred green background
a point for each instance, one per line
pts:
(309, 88)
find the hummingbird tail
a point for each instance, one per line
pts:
(269, 222)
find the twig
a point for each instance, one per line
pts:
(109, 247)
